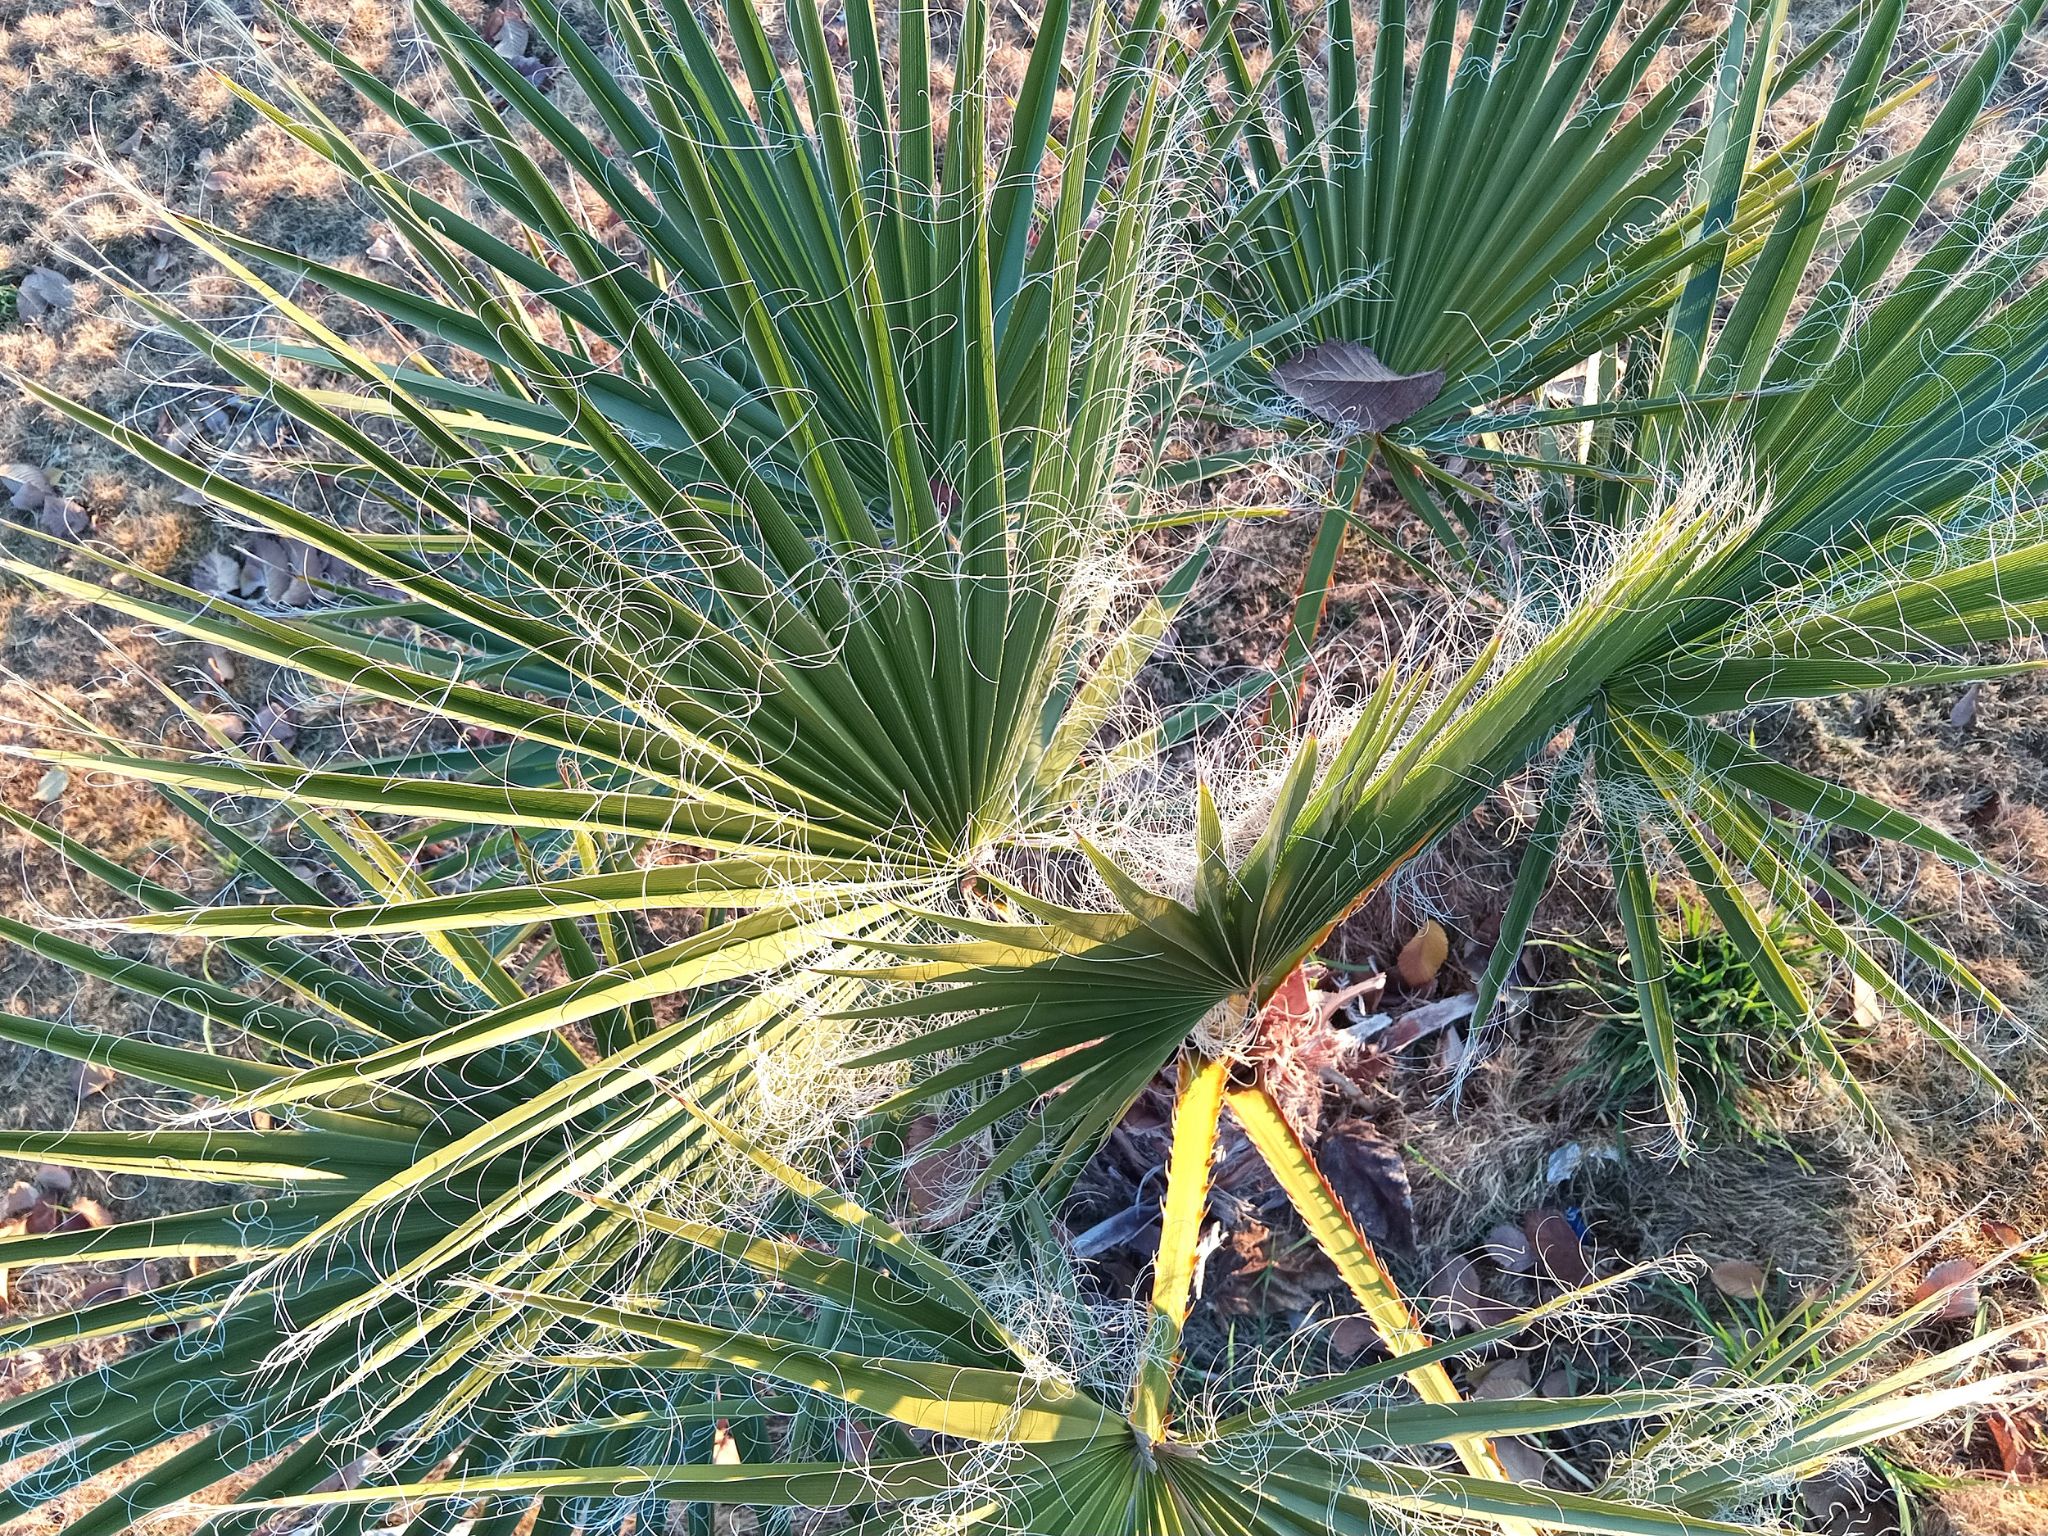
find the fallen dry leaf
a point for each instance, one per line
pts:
(1458, 1302)
(101, 1290)
(52, 784)
(216, 573)
(1423, 956)
(938, 1188)
(1419, 1023)
(2017, 1439)
(2003, 1233)
(1508, 1246)
(273, 730)
(59, 517)
(89, 1078)
(1346, 384)
(1737, 1277)
(1962, 1300)
(85, 1215)
(1506, 1380)
(1366, 1171)
(1352, 1336)
(1964, 715)
(211, 178)
(267, 573)
(1559, 1248)
(53, 1178)
(1520, 1460)
(26, 485)
(43, 295)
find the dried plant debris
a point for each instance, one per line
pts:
(1344, 383)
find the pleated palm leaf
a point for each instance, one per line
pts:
(766, 547)
(1888, 436)
(912, 1401)
(1518, 197)
(1506, 216)
(1894, 538)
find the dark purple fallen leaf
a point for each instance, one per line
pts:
(1849, 1498)
(62, 518)
(1345, 384)
(1366, 1171)
(1559, 1249)
(26, 485)
(1508, 1246)
(44, 295)
(273, 731)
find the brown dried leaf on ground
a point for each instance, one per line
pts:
(274, 730)
(1519, 1459)
(1369, 1176)
(1346, 384)
(1458, 1300)
(1737, 1277)
(1508, 1246)
(1849, 1498)
(216, 573)
(1961, 1304)
(938, 1187)
(1423, 956)
(1508, 1379)
(1559, 1248)
(2017, 1439)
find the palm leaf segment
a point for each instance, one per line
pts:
(1897, 539)
(833, 608)
(765, 546)
(1513, 201)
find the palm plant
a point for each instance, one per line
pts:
(1517, 213)
(769, 548)
(1885, 440)
(841, 678)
